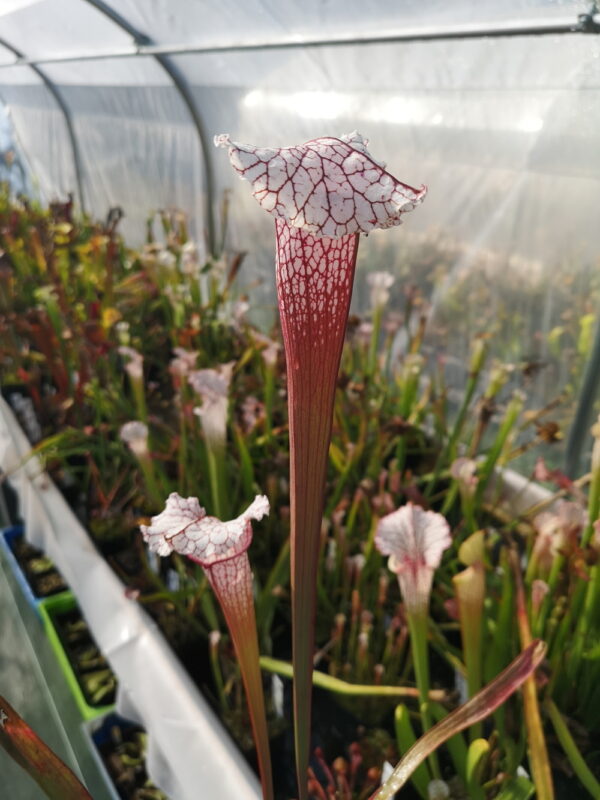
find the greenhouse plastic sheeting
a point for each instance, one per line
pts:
(131, 130)
(477, 120)
(187, 746)
(41, 129)
(502, 130)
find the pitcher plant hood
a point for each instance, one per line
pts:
(220, 548)
(185, 527)
(414, 540)
(322, 194)
(327, 186)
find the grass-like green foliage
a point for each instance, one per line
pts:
(474, 710)
(72, 294)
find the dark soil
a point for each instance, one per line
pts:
(39, 571)
(97, 681)
(122, 747)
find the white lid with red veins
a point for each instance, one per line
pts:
(328, 186)
(185, 527)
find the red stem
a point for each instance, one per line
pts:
(314, 285)
(231, 581)
(55, 779)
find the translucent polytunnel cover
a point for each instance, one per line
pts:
(502, 129)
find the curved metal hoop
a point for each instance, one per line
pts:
(64, 108)
(183, 89)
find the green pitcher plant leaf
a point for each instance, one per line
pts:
(517, 789)
(572, 752)
(477, 756)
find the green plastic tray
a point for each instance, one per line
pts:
(49, 607)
